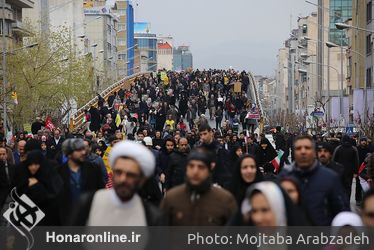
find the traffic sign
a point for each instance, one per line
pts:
(317, 114)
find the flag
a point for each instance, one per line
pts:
(118, 120)
(48, 123)
(14, 97)
(276, 161)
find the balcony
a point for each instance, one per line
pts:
(23, 3)
(19, 28)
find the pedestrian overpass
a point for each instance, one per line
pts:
(76, 122)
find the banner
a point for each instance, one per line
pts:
(49, 124)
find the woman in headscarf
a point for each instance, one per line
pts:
(264, 155)
(267, 205)
(245, 174)
(39, 180)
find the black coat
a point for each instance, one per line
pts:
(176, 170)
(53, 148)
(91, 181)
(44, 193)
(95, 119)
(6, 177)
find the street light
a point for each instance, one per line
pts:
(302, 71)
(94, 45)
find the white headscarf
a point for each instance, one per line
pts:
(273, 195)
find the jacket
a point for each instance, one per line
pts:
(213, 208)
(91, 180)
(176, 170)
(322, 194)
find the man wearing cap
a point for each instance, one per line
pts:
(364, 151)
(132, 164)
(198, 202)
(79, 176)
(324, 153)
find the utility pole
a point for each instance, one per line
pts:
(320, 47)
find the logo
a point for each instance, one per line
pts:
(23, 215)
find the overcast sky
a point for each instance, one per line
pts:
(244, 34)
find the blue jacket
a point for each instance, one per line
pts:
(322, 194)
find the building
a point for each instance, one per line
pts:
(369, 84)
(146, 44)
(339, 12)
(125, 37)
(164, 56)
(56, 15)
(182, 58)
(14, 28)
(101, 32)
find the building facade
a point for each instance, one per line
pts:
(146, 44)
(164, 56)
(182, 58)
(101, 32)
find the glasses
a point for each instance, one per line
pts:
(129, 175)
(369, 214)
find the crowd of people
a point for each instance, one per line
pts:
(149, 156)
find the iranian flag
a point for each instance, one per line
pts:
(276, 161)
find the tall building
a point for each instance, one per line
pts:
(340, 11)
(182, 58)
(146, 47)
(55, 15)
(101, 32)
(164, 56)
(125, 37)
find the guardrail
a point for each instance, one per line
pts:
(76, 121)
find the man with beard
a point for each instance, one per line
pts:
(176, 169)
(221, 173)
(132, 164)
(198, 202)
(324, 153)
(79, 176)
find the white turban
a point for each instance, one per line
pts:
(138, 152)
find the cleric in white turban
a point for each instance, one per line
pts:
(132, 164)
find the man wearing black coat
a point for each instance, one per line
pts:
(347, 155)
(6, 176)
(54, 145)
(321, 192)
(176, 169)
(221, 173)
(78, 175)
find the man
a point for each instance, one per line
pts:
(368, 208)
(36, 126)
(78, 175)
(322, 193)
(20, 155)
(221, 174)
(252, 145)
(55, 143)
(176, 169)
(198, 202)
(132, 164)
(324, 153)
(10, 155)
(6, 176)
(95, 159)
(347, 155)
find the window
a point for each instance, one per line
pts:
(368, 77)
(368, 45)
(369, 12)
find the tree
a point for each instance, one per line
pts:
(50, 77)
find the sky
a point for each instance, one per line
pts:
(244, 34)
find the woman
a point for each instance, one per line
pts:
(264, 155)
(41, 183)
(235, 153)
(245, 174)
(267, 205)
